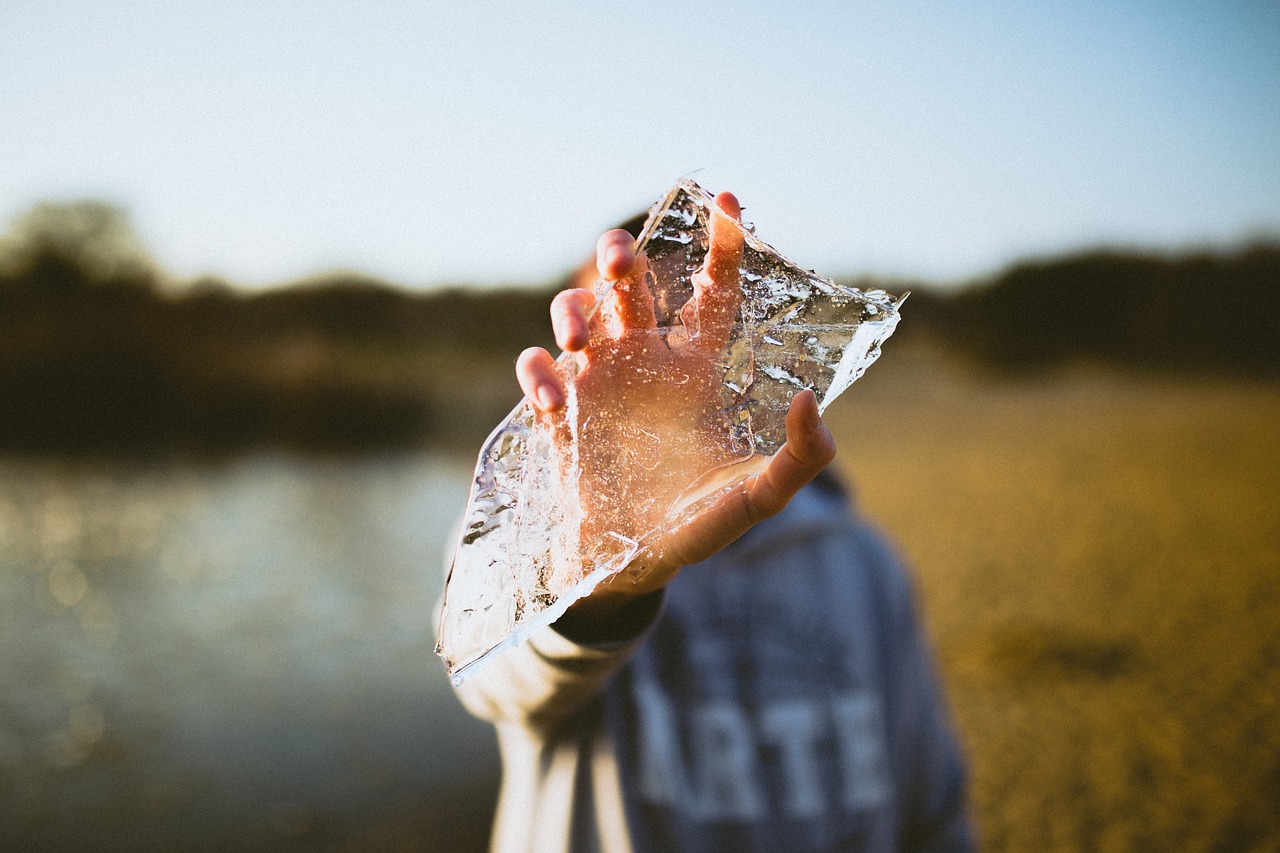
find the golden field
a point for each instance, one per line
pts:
(1098, 562)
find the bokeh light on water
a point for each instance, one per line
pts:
(232, 655)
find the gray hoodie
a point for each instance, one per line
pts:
(780, 699)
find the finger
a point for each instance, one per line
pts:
(809, 448)
(727, 203)
(571, 318)
(629, 298)
(717, 291)
(536, 373)
(615, 254)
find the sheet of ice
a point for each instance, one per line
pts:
(652, 447)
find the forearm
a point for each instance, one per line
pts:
(559, 669)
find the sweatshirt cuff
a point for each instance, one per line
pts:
(627, 627)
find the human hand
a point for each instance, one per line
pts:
(643, 414)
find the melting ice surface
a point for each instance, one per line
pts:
(560, 504)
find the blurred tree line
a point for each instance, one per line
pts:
(99, 354)
(1206, 312)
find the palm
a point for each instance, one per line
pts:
(644, 430)
(648, 424)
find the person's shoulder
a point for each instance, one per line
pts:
(832, 484)
(822, 521)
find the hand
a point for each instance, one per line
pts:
(647, 414)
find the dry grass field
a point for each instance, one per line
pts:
(1098, 559)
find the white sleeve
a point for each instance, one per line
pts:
(549, 677)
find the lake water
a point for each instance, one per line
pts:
(232, 656)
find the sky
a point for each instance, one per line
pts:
(432, 143)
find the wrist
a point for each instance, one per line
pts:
(607, 616)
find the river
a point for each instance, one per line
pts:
(232, 656)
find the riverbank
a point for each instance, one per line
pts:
(239, 653)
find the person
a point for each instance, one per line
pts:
(765, 685)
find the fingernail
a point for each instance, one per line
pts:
(729, 204)
(618, 260)
(548, 398)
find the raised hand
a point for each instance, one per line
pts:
(642, 417)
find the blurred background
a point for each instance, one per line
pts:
(265, 268)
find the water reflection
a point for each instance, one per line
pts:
(232, 656)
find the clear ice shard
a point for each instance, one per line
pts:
(664, 415)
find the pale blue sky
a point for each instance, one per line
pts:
(432, 142)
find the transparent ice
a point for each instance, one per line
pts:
(529, 549)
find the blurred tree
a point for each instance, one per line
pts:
(1205, 312)
(69, 246)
